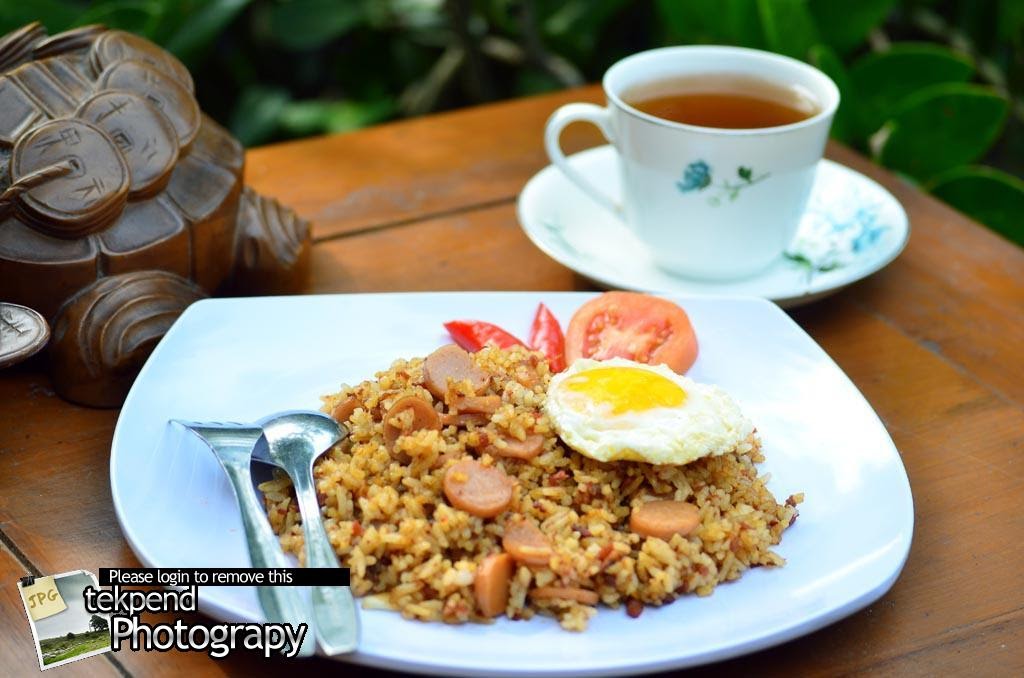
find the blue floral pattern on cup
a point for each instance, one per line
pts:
(697, 176)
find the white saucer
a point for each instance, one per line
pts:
(852, 228)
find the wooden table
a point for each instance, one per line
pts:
(935, 342)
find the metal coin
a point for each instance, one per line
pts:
(23, 332)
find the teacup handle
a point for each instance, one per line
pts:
(569, 113)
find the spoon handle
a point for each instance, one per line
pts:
(232, 445)
(280, 603)
(337, 624)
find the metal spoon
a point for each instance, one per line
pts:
(295, 440)
(232, 445)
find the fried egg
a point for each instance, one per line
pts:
(618, 409)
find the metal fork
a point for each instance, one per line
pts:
(232, 444)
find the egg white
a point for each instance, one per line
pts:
(707, 423)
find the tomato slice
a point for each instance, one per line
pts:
(635, 326)
(473, 335)
(546, 336)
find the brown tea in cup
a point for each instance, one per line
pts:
(724, 102)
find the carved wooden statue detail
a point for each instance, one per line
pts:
(120, 204)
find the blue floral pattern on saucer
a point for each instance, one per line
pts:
(833, 235)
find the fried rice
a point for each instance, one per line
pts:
(410, 550)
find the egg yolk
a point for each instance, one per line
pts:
(626, 389)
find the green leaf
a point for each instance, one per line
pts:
(788, 27)
(988, 195)
(977, 21)
(56, 15)
(1011, 23)
(578, 25)
(884, 80)
(303, 118)
(201, 29)
(941, 127)
(309, 24)
(731, 22)
(531, 81)
(258, 113)
(845, 25)
(408, 15)
(845, 124)
(128, 15)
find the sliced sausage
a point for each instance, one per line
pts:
(487, 404)
(464, 420)
(491, 584)
(527, 377)
(584, 596)
(526, 371)
(484, 491)
(443, 459)
(423, 417)
(343, 410)
(664, 518)
(526, 543)
(518, 449)
(451, 363)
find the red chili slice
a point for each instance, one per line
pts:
(473, 335)
(546, 336)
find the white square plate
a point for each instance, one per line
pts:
(241, 359)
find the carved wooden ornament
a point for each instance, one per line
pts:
(121, 203)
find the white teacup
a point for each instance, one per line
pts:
(711, 203)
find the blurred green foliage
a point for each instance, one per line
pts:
(931, 88)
